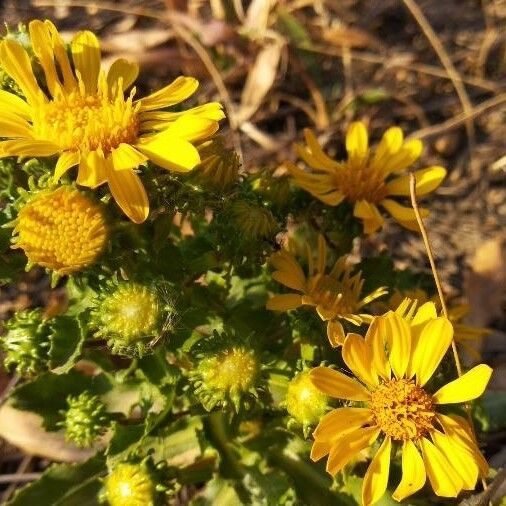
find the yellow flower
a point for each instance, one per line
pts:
(62, 230)
(391, 366)
(405, 305)
(336, 295)
(86, 118)
(367, 180)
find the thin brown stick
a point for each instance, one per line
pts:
(438, 47)
(456, 121)
(430, 254)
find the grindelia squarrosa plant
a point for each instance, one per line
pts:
(216, 337)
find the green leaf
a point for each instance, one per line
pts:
(47, 394)
(65, 485)
(66, 338)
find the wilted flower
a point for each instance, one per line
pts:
(392, 366)
(367, 180)
(63, 230)
(86, 118)
(335, 296)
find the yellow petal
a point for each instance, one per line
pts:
(457, 428)
(85, 50)
(15, 61)
(42, 47)
(191, 128)
(66, 160)
(129, 193)
(404, 157)
(61, 55)
(444, 479)
(390, 143)
(434, 341)
(27, 147)
(404, 215)
(349, 446)
(126, 157)
(376, 341)
(92, 170)
(340, 421)
(369, 214)
(357, 142)
(171, 153)
(397, 334)
(413, 472)
(427, 180)
(317, 151)
(160, 120)
(291, 279)
(319, 450)
(122, 69)
(335, 333)
(357, 355)
(466, 388)
(376, 477)
(461, 460)
(11, 125)
(284, 302)
(338, 385)
(180, 89)
(424, 313)
(12, 104)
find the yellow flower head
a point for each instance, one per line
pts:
(392, 366)
(62, 230)
(367, 180)
(336, 295)
(130, 485)
(87, 119)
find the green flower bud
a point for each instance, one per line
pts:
(86, 419)
(275, 189)
(254, 222)
(130, 485)
(219, 166)
(304, 402)
(130, 316)
(226, 374)
(26, 343)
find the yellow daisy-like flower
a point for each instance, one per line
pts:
(391, 366)
(367, 180)
(86, 118)
(336, 295)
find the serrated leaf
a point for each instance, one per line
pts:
(47, 394)
(65, 485)
(66, 338)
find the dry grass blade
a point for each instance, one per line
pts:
(260, 80)
(432, 37)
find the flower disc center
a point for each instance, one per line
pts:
(402, 409)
